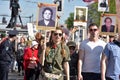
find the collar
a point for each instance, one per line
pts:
(54, 46)
(117, 42)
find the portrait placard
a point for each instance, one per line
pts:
(78, 35)
(103, 5)
(108, 24)
(47, 16)
(80, 16)
(60, 5)
(30, 30)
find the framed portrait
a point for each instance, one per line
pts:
(103, 5)
(78, 35)
(80, 16)
(108, 24)
(60, 5)
(47, 16)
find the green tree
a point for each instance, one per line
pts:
(93, 14)
(70, 21)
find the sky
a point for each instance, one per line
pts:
(30, 7)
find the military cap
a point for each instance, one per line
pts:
(13, 32)
(71, 43)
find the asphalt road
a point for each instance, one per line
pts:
(14, 76)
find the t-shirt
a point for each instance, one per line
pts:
(112, 51)
(92, 55)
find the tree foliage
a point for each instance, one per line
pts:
(93, 14)
(70, 21)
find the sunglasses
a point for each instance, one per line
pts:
(72, 48)
(60, 34)
(93, 30)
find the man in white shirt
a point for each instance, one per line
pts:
(90, 55)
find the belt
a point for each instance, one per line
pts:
(51, 75)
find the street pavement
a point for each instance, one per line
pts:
(14, 76)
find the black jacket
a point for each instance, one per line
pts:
(51, 23)
(6, 52)
(73, 63)
(104, 28)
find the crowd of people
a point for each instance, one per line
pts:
(59, 59)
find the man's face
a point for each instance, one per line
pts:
(94, 32)
(108, 22)
(47, 15)
(80, 12)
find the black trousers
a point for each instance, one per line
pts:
(4, 69)
(32, 74)
(73, 77)
(20, 65)
(107, 78)
(91, 76)
(12, 22)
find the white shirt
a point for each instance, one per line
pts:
(92, 55)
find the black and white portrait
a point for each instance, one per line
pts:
(59, 3)
(47, 19)
(103, 5)
(78, 35)
(80, 16)
(47, 16)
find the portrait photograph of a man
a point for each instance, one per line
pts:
(59, 3)
(47, 16)
(103, 5)
(108, 24)
(80, 16)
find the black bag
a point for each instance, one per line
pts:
(38, 67)
(48, 67)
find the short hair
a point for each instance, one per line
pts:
(108, 18)
(11, 36)
(47, 8)
(93, 24)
